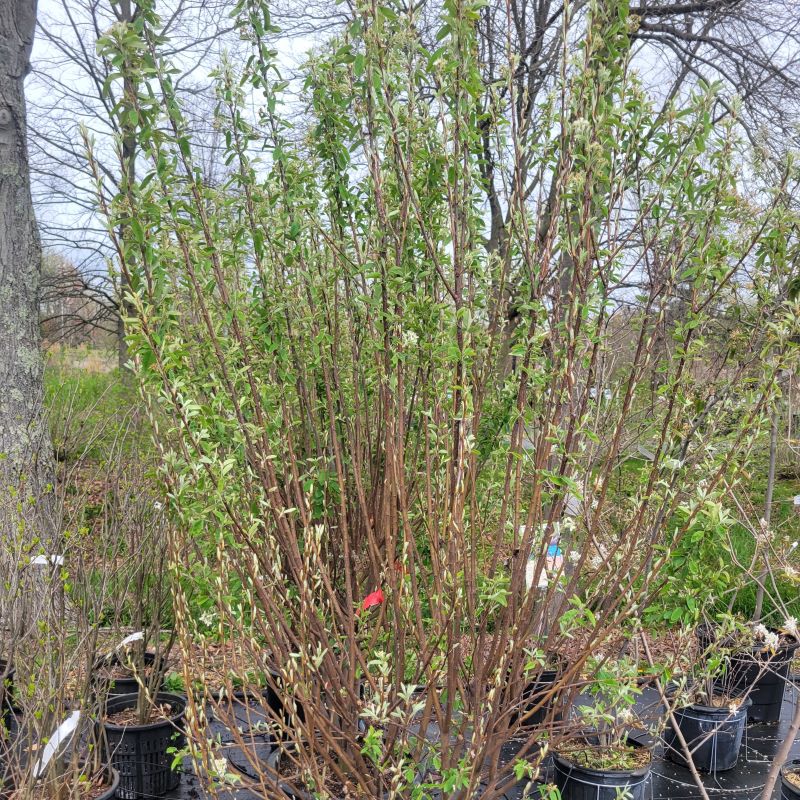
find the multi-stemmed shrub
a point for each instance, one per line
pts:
(373, 406)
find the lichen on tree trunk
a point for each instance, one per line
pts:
(26, 460)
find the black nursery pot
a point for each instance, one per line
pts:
(275, 702)
(533, 694)
(126, 685)
(6, 692)
(766, 689)
(139, 752)
(788, 790)
(707, 634)
(111, 792)
(585, 783)
(714, 736)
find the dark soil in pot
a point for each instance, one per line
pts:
(765, 675)
(578, 778)
(713, 734)
(140, 752)
(790, 780)
(115, 678)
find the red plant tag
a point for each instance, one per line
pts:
(374, 599)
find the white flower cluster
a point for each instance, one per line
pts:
(763, 634)
(626, 716)
(790, 627)
(760, 631)
(208, 618)
(409, 338)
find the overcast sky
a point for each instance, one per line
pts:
(61, 96)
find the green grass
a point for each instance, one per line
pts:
(92, 410)
(786, 525)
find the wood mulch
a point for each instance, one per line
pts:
(217, 665)
(160, 712)
(668, 648)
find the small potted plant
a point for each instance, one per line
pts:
(143, 728)
(140, 732)
(790, 780)
(85, 775)
(759, 666)
(92, 784)
(604, 761)
(711, 722)
(63, 763)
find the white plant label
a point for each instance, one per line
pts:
(134, 637)
(44, 561)
(61, 736)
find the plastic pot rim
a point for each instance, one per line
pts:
(149, 659)
(124, 701)
(639, 772)
(794, 765)
(111, 791)
(716, 711)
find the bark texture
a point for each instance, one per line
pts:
(26, 460)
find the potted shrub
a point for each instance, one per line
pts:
(603, 761)
(711, 723)
(790, 780)
(141, 729)
(760, 668)
(82, 779)
(97, 785)
(64, 763)
(711, 635)
(88, 774)
(140, 732)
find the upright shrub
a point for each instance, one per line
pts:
(378, 410)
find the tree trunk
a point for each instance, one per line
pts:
(26, 454)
